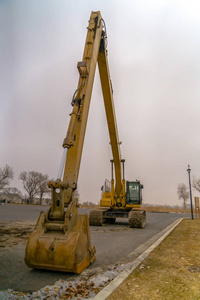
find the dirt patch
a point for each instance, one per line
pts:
(13, 233)
(171, 271)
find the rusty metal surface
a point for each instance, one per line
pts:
(68, 251)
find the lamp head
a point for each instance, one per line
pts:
(188, 169)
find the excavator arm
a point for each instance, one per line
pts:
(73, 142)
(81, 102)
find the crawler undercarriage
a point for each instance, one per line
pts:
(136, 217)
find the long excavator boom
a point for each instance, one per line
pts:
(110, 114)
(95, 50)
(81, 102)
(61, 239)
(118, 194)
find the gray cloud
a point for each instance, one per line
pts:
(153, 50)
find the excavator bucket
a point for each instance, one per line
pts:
(60, 246)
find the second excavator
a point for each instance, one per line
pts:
(61, 239)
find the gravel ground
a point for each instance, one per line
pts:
(85, 288)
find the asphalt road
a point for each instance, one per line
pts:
(113, 242)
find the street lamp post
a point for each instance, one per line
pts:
(189, 170)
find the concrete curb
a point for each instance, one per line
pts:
(107, 291)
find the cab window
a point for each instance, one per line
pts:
(134, 191)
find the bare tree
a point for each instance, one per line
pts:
(183, 193)
(6, 174)
(34, 183)
(43, 188)
(196, 183)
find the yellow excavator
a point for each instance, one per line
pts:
(61, 239)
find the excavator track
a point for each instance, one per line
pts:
(137, 218)
(96, 218)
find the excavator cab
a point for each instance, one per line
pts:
(134, 192)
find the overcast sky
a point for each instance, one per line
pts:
(154, 61)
